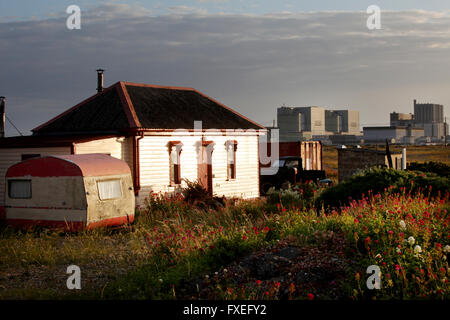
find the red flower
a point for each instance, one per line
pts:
(258, 282)
(244, 237)
(310, 296)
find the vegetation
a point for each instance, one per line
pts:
(378, 180)
(274, 248)
(439, 168)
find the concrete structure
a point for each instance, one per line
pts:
(316, 123)
(165, 135)
(354, 160)
(406, 135)
(300, 123)
(72, 192)
(401, 119)
(428, 113)
(430, 116)
(342, 121)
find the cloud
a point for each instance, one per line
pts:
(253, 63)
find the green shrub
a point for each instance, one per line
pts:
(378, 180)
(438, 168)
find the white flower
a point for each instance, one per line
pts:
(397, 249)
(206, 276)
(411, 240)
(378, 256)
(417, 249)
(160, 280)
(216, 273)
(447, 248)
(402, 225)
(225, 270)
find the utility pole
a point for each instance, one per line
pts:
(445, 131)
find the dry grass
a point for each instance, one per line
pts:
(413, 153)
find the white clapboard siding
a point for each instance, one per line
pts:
(120, 148)
(10, 156)
(155, 170)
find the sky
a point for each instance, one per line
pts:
(251, 55)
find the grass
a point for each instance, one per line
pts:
(175, 251)
(437, 153)
(178, 251)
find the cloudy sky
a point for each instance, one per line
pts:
(253, 55)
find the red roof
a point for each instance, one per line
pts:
(85, 165)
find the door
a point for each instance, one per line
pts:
(204, 170)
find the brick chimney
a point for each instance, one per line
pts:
(100, 80)
(2, 116)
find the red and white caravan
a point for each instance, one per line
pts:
(72, 192)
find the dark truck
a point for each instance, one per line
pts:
(290, 170)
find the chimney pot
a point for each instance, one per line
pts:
(100, 80)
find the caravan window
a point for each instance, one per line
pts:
(110, 189)
(19, 189)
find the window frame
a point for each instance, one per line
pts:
(231, 166)
(20, 198)
(175, 177)
(109, 180)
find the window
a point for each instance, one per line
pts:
(19, 189)
(29, 156)
(110, 189)
(231, 147)
(175, 164)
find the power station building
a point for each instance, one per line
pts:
(427, 124)
(306, 123)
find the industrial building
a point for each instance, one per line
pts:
(394, 134)
(427, 124)
(307, 123)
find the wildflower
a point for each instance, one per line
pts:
(398, 250)
(447, 249)
(244, 237)
(417, 249)
(206, 276)
(258, 282)
(378, 256)
(391, 232)
(225, 270)
(310, 296)
(397, 267)
(402, 225)
(160, 280)
(411, 240)
(357, 276)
